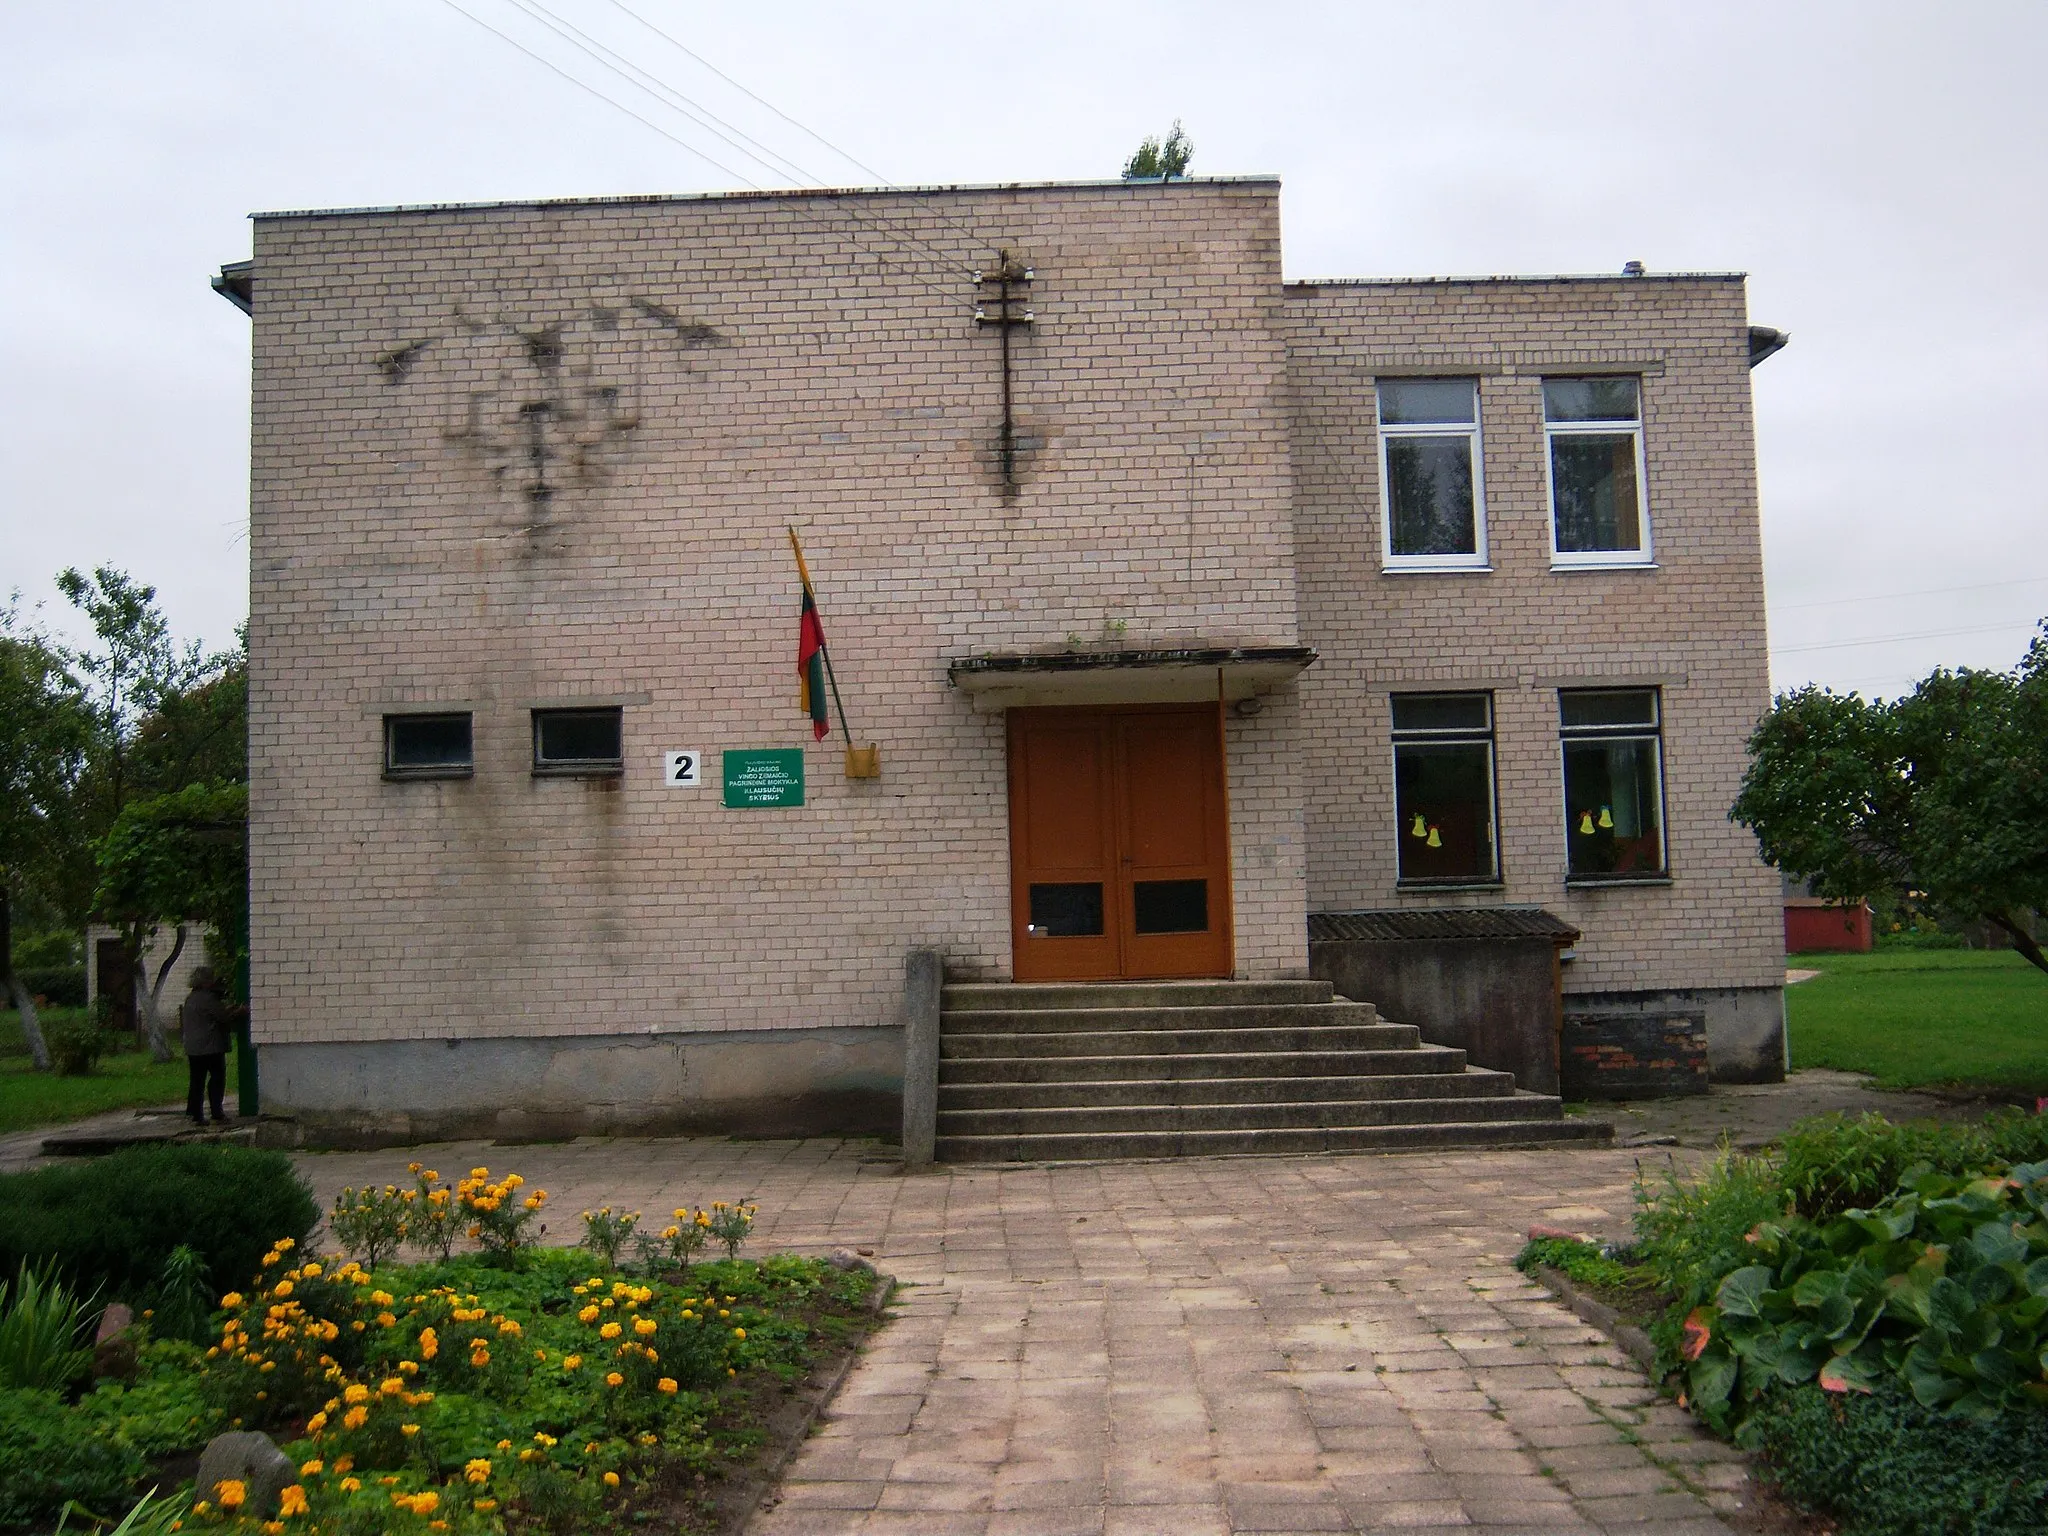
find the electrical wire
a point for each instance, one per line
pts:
(1931, 634)
(1892, 597)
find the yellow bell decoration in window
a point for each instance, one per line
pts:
(1421, 827)
(1434, 840)
(1607, 818)
(1585, 823)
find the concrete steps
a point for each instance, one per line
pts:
(1168, 1069)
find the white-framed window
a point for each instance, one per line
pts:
(1444, 798)
(1432, 492)
(1593, 456)
(1613, 741)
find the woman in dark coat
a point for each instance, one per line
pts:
(204, 1027)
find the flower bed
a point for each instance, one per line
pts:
(513, 1388)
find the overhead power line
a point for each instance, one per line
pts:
(1931, 634)
(1894, 597)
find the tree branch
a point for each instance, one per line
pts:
(2022, 940)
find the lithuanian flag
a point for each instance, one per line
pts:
(810, 651)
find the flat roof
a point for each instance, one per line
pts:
(1518, 277)
(830, 193)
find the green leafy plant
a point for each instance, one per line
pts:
(41, 1320)
(434, 1221)
(678, 1243)
(1690, 1233)
(1582, 1263)
(184, 1298)
(1944, 1287)
(730, 1224)
(498, 1214)
(76, 1045)
(1163, 160)
(1832, 1162)
(151, 1516)
(370, 1223)
(46, 1463)
(112, 1222)
(606, 1232)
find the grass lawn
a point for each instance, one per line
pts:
(1919, 1018)
(29, 1098)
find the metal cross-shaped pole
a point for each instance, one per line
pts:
(1012, 282)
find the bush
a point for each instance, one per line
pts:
(60, 986)
(1833, 1162)
(1920, 938)
(45, 1461)
(1893, 1468)
(1580, 1262)
(76, 1045)
(112, 1223)
(1691, 1236)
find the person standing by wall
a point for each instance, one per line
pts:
(205, 1026)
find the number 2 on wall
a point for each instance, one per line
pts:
(682, 770)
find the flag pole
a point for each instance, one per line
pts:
(825, 648)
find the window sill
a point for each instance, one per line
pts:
(1614, 882)
(1424, 887)
(1436, 570)
(414, 775)
(1603, 565)
(581, 771)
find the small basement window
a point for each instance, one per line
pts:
(579, 741)
(428, 747)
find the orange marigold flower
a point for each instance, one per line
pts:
(611, 1479)
(232, 1493)
(667, 1384)
(292, 1501)
(355, 1418)
(613, 1378)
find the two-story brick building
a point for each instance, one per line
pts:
(1187, 604)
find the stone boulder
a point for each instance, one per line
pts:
(252, 1459)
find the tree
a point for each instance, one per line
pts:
(1161, 161)
(180, 859)
(161, 718)
(42, 753)
(1943, 792)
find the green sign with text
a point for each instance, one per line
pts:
(768, 780)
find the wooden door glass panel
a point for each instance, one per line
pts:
(1069, 909)
(1170, 906)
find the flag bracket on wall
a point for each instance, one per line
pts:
(815, 676)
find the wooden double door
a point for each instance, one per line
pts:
(1119, 843)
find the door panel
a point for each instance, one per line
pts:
(1119, 848)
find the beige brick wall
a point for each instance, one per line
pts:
(1694, 625)
(694, 374)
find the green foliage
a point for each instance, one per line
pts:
(1942, 792)
(61, 986)
(679, 1242)
(1891, 1467)
(182, 857)
(1943, 1287)
(1832, 1162)
(1581, 1263)
(76, 1044)
(162, 1413)
(184, 1297)
(29, 1098)
(606, 1232)
(114, 1221)
(1690, 1234)
(151, 1516)
(45, 1462)
(730, 1224)
(1157, 160)
(1919, 939)
(370, 1223)
(42, 1322)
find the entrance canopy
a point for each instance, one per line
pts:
(1186, 676)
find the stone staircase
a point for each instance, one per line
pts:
(1050, 1073)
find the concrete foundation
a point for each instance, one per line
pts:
(1745, 1025)
(784, 1082)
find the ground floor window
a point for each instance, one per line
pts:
(578, 741)
(428, 747)
(1613, 783)
(1443, 788)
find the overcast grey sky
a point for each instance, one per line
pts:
(1878, 169)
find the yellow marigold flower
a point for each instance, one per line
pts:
(477, 1470)
(381, 1298)
(202, 1507)
(541, 1355)
(344, 1464)
(408, 1430)
(738, 1333)
(426, 1503)
(311, 1468)
(311, 1272)
(351, 1485)
(408, 1368)
(283, 1288)
(611, 1479)
(510, 1327)
(479, 1173)
(356, 1393)
(480, 1358)
(484, 1506)
(667, 1385)
(292, 1501)
(542, 1438)
(610, 1331)
(391, 1386)
(571, 1362)
(232, 1493)
(355, 1418)
(644, 1326)
(613, 1378)
(232, 1300)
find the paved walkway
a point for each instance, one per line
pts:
(1189, 1347)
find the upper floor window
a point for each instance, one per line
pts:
(578, 741)
(1432, 506)
(1613, 783)
(428, 747)
(1443, 788)
(1593, 430)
